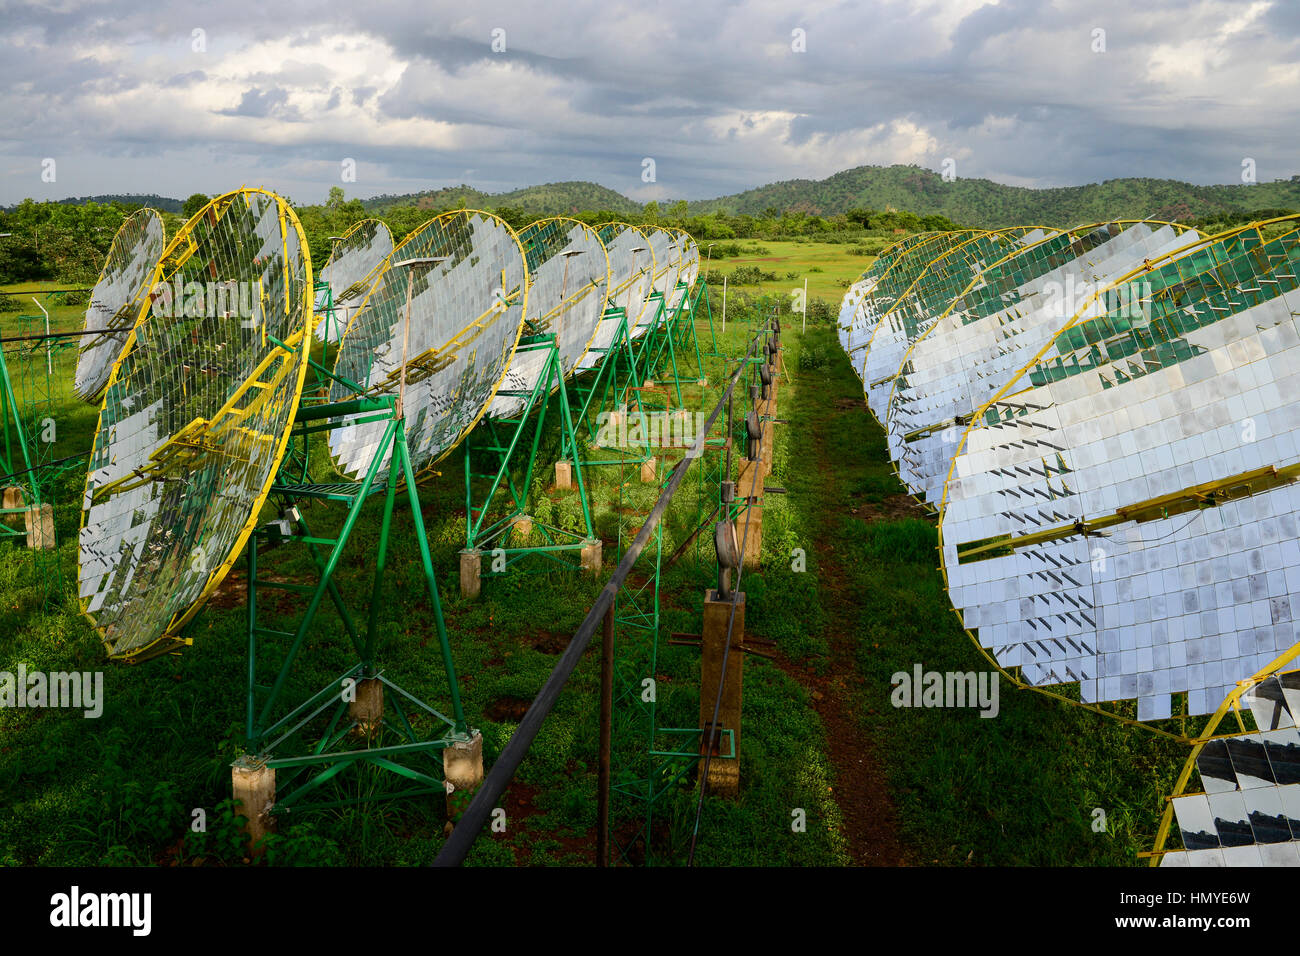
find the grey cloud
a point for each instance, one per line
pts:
(683, 82)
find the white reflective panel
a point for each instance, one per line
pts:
(1267, 702)
(887, 278)
(456, 339)
(1251, 808)
(195, 419)
(568, 275)
(666, 251)
(991, 331)
(354, 264)
(688, 264)
(1159, 425)
(1196, 822)
(117, 299)
(631, 267)
(922, 304)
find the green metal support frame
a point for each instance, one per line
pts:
(420, 730)
(15, 462)
(673, 334)
(601, 392)
(503, 442)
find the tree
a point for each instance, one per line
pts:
(336, 197)
(650, 215)
(192, 205)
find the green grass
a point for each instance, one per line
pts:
(828, 267)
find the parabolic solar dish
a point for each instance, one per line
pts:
(465, 318)
(987, 333)
(195, 419)
(117, 298)
(851, 314)
(1123, 513)
(912, 312)
(688, 265)
(1248, 813)
(630, 276)
(891, 283)
(568, 275)
(354, 264)
(666, 249)
(690, 260)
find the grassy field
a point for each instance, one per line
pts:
(942, 787)
(828, 267)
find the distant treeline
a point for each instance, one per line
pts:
(68, 242)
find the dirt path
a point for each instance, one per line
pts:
(870, 822)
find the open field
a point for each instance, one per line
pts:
(828, 267)
(878, 784)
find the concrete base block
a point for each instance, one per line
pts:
(12, 498)
(40, 527)
(592, 555)
(649, 471)
(471, 566)
(564, 475)
(522, 525)
(253, 784)
(462, 772)
(368, 708)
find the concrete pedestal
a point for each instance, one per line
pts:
(649, 471)
(523, 527)
(253, 784)
(368, 708)
(462, 772)
(471, 566)
(564, 475)
(592, 555)
(40, 526)
(724, 765)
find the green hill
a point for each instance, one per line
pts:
(161, 203)
(971, 202)
(552, 198)
(981, 202)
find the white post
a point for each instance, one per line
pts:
(805, 304)
(49, 358)
(724, 303)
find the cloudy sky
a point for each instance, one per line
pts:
(175, 98)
